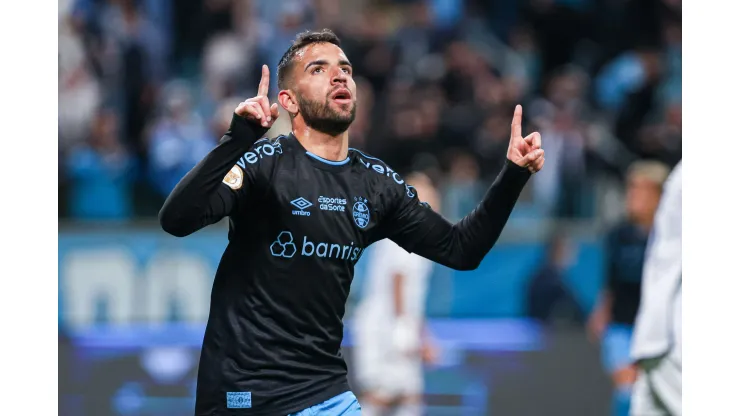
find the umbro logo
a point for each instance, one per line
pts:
(301, 203)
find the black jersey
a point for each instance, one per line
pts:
(297, 226)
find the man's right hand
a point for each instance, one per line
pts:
(258, 109)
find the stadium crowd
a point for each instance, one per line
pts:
(147, 87)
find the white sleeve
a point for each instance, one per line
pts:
(661, 275)
(663, 256)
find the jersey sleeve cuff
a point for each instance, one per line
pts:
(243, 130)
(508, 185)
(515, 173)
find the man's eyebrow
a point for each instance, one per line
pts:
(316, 62)
(324, 62)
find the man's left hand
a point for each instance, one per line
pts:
(525, 151)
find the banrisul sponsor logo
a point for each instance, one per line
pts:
(283, 246)
(302, 204)
(287, 246)
(332, 204)
(261, 149)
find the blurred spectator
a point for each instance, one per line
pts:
(559, 189)
(623, 76)
(100, 173)
(225, 58)
(134, 63)
(660, 138)
(491, 143)
(286, 19)
(179, 139)
(614, 316)
(230, 52)
(79, 90)
(463, 191)
(548, 298)
(525, 47)
(414, 40)
(561, 26)
(464, 65)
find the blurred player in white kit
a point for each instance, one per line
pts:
(392, 342)
(656, 343)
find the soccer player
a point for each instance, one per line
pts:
(302, 208)
(656, 346)
(391, 338)
(613, 319)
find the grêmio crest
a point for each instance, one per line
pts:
(361, 212)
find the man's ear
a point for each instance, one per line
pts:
(288, 101)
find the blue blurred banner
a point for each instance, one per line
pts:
(143, 276)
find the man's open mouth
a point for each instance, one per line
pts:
(342, 96)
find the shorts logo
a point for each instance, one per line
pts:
(238, 400)
(360, 212)
(283, 246)
(301, 203)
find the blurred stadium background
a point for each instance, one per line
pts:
(146, 88)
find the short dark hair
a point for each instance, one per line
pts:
(302, 40)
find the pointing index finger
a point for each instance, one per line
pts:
(516, 122)
(264, 82)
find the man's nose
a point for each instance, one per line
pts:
(339, 76)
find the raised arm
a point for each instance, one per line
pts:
(216, 186)
(462, 246)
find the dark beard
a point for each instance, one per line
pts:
(321, 117)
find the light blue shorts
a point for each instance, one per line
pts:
(344, 404)
(615, 347)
